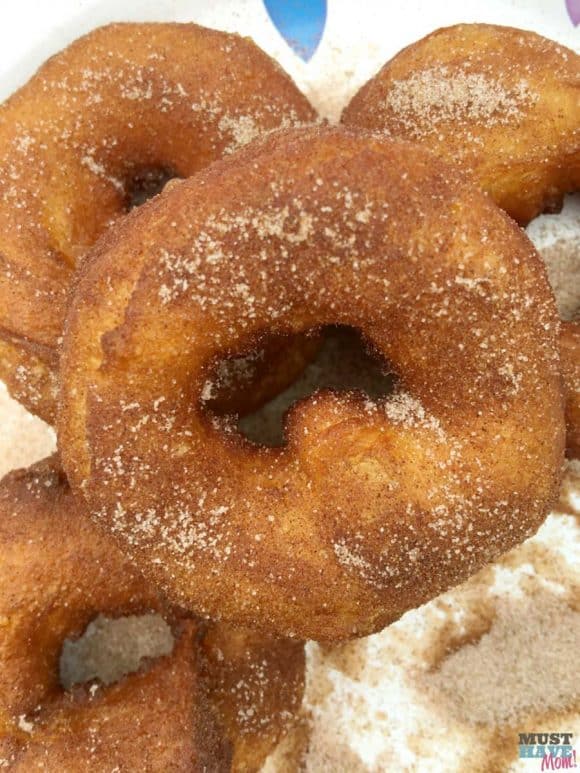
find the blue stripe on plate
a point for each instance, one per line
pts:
(300, 22)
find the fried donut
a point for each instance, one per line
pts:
(57, 573)
(504, 105)
(256, 683)
(373, 506)
(119, 110)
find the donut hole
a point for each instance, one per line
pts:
(111, 648)
(557, 238)
(146, 182)
(344, 363)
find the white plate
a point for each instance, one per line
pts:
(358, 37)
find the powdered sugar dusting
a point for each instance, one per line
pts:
(562, 261)
(405, 409)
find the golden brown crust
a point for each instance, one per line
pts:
(372, 507)
(154, 720)
(57, 573)
(570, 353)
(501, 103)
(123, 99)
(256, 684)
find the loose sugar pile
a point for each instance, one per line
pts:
(450, 685)
(111, 648)
(557, 238)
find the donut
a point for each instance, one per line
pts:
(501, 103)
(128, 727)
(256, 684)
(57, 573)
(372, 506)
(100, 125)
(342, 363)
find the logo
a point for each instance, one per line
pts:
(553, 750)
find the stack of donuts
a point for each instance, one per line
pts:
(177, 232)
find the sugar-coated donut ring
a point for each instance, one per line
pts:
(372, 507)
(58, 572)
(256, 683)
(118, 105)
(149, 721)
(503, 104)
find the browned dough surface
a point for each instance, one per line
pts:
(504, 105)
(119, 102)
(372, 507)
(57, 573)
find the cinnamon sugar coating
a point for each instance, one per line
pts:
(570, 352)
(58, 573)
(256, 684)
(501, 103)
(373, 506)
(118, 108)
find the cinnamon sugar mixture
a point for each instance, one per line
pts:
(449, 686)
(563, 264)
(435, 97)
